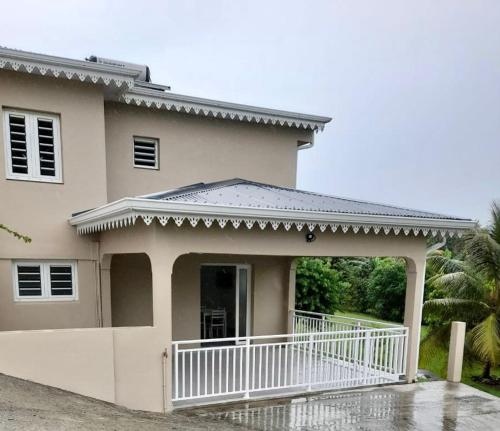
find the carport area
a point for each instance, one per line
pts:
(423, 406)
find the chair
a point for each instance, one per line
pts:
(218, 324)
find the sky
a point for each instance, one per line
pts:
(413, 86)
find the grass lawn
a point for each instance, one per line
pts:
(435, 358)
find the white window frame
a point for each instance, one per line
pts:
(32, 146)
(154, 141)
(45, 280)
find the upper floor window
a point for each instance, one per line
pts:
(146, 153)
(32, 146)
(44, 281)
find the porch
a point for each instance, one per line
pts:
(322, 352)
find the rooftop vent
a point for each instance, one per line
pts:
(142, 70)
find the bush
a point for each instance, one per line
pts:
(319, 287)
(387, 288)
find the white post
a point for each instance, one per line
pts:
(247, 368)
(415, 278)
(456, 353)
(367, 355)
(309, 376)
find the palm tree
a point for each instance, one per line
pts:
(472, 288)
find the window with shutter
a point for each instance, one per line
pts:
(46, 147)
(61, 280)
(29, 280)
(145, 153)
(32, 146)
(45, 281)
(18, 147)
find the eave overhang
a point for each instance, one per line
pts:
(223, 110)
(125, 212)
(65, 68)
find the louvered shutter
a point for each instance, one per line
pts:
(61, 280)
(146, 153)
(29, 280)
(18, 144)
(46, 147)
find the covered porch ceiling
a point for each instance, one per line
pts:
(248, 204)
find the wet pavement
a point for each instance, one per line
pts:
(424, 406)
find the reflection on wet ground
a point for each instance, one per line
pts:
(424, 406)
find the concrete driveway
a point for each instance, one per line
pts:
(424, 406)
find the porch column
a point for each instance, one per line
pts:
(104, 292)
(161, 267)
(415, 277)
(291, 294)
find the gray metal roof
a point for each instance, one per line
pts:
(241, 193)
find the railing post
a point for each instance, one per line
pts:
(247, 368)
(176, 371)
(367, 354)
(309, 376)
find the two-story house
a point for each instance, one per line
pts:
(164, 233)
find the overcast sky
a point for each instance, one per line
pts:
(413, 86)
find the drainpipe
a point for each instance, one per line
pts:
(164, 358)
(436, 246)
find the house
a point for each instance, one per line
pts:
(165, 230)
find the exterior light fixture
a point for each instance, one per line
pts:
(310, 237)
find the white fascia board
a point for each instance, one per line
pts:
(60, 67)
(138, 206)
(220, 109)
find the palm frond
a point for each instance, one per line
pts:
(495, 221)
(439, 262)
(461, 285)
(483, 253)
(456, 309)
(485, 339)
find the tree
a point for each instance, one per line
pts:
(355, 271)
(387, 289)
(319, 287)
(472, 289)
(25, 238)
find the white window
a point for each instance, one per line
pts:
(145, 153)
(32, 146)
(45, 281)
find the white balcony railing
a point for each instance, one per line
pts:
(322, 353)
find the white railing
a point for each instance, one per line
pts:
(307, 321)
(251, 366)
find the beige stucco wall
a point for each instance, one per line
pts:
(78, 360)
(41, 210)
(131, 290)
(195, 149)
(81, 313)
(269, 293)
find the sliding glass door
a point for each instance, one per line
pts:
(225, 301)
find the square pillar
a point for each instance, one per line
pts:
(291, 295)
(415, 278)
(161, 269)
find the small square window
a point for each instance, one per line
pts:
(146, 153)
(44, 281)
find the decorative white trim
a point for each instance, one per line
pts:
(64, 68)
(222, 110)
(124, 212)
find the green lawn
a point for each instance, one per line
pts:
(435, 357)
